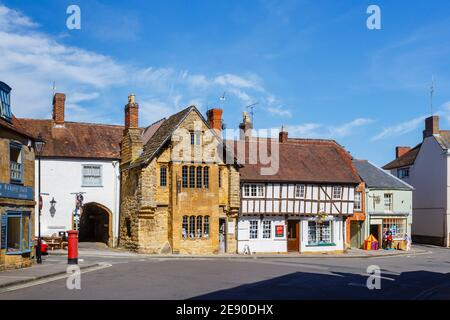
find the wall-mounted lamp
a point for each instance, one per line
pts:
(52, 207)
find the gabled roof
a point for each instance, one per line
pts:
(405, 160)
(162, 131)
(300, 160)
(76, 139)
(375, 177)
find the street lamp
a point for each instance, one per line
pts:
(39, 144)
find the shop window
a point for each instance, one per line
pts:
(184, 177)
(397, 226)
(337, 192)
(192, 177)
(299, 190)
(92, 175)
(15, 163)
(388, 202)
(199, 177)
(206, 177)
(163, 176)
(253, 229)
(319, 233)
(18, 233)
(358, 201)
(267, 229)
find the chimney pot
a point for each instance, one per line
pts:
(59, 100)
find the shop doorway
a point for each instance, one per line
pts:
(222, 236)
(293, 235)
(95, 224)
(356, 237)
(375, 230)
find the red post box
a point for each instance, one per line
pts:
(72, 239)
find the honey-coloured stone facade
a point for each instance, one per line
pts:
(152, 213)
(7, 136)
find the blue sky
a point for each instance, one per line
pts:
(312, 66)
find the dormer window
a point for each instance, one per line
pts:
(5, 102)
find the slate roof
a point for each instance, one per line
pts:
(375, 177)
(76, 139)
(300, 160)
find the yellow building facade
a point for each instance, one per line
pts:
(177, 193)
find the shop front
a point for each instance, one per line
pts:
(398, 227)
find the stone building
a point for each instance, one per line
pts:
(178, 194)
(16, 188)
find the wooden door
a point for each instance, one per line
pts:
(293, 234)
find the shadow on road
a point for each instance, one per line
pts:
(340, 286)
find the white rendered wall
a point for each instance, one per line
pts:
(61, 177)
(430, 197)
(272, 245)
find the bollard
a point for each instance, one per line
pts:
(72, 257)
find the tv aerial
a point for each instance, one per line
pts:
(251, 107)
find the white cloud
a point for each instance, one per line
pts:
(399, 129)
(348, 128)
(32, 60)
(279, 111)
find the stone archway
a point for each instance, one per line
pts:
(96, 224)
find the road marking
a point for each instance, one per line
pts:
(100, 266)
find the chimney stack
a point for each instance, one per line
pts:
(59, 100)
(131, 113)
(400, 151)
(215, 119)
(246, 127)
(431, 126)
(283, 135)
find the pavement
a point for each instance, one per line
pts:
(49, 268)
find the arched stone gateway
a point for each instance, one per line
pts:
(96, 224)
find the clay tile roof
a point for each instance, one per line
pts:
(161, 135)
(405, 160)
(17, 126)
(300, 160)
(76, 139)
